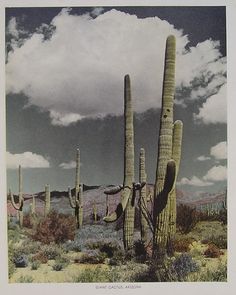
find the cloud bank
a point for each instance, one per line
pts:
(74, 67)
(26, 160)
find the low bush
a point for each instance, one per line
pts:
(20, 260)
(182, 245)
(187, 218)
(140, 251)
(40, 256)
(72, 246)
(35, 265)
(56, 227)
(183, 265)
(25, 279)
(60, 263)
(219, 240)
(51, 251)
(212, 251)
(27, 221)
(92, 257)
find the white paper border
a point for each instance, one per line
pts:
(152, 288)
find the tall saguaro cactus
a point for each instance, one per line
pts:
(126, 205)
(77, 203)
(168, 156)
(19, 206)
(47, 200)
(143, 195)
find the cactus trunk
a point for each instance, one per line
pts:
(77, 203)
(128, 221)
(164, 150)
(143, 196)
(47, 200)
(176, 155)
(19, 206)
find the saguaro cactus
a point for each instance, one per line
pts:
(95, 216)
(33, 206)
(127, 194)
(143, 196)
(77, 203)
(168, 156)
(19, 206)
(47, 200)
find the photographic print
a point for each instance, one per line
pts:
(116, 143)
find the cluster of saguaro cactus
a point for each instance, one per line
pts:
(19, 206)
(77, 203)
(163, 219)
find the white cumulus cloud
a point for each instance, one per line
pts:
(219, 151)
(69, 165)
(26, 160)
(194, 181)
(78, 72)
(216, 173)
(214, 110)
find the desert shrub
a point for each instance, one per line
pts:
(29, 247)
(51, 251)
(219, 240)
(20, 260)
(35, 265)
(183, 265)
(40, 256)
(182, 245)
(212, 251)
(27, 221)
(25, 279)
(140, 251)
(223, 216)
(14, 233)
(72, 246)
(56, 227)
(92, 276)
(60, 263)
(92, 257)
(11, 264)
(187, 218)
(156, 272)
(196, 249)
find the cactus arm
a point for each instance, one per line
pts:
(72, 203)
(17, 206)
(126, 194)
(176, 155)
(169, 183)
(114, 190)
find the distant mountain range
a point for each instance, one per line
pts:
(95, 195)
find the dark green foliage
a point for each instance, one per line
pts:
(72, 246)
(219, 240)
(183, 265)
(187, 218)
(60, 263)
(56, 227)
(140, 251)
(35, 265)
